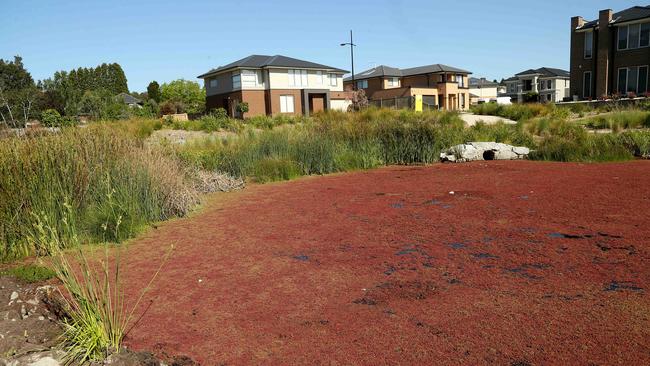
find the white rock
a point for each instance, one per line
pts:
(521, 150)
(14, 296)
(45, 361)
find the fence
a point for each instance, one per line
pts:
(394, 103)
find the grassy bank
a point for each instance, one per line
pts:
(103, 180)
(110, 184)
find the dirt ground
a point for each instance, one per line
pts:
(504, 263)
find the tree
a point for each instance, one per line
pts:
(19, 96)
(242, 108)
(188, 93)
(359, 100)
(153, 91)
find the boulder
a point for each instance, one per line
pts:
(484, 151)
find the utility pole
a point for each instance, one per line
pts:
(352, 45)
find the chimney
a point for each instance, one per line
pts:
(604, 47)
(577, 22)
(604, 17)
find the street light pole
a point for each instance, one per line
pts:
(352, 45)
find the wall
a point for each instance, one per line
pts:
(274, 100)
(224, 84)
(279, 79)
(340, 104)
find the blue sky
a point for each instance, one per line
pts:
(166, 40)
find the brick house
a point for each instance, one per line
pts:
(610, 55)
(273, 85)
(440, 86)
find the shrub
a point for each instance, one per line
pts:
(51, 118)
(30, 273)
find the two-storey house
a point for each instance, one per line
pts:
(439, 86)
(611, 55)
(274, 85)
(551, 85)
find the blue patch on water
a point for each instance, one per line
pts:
(458, 246)
(301, 257)
(620, 286)
(484, 256)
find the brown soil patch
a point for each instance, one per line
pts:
(526, 263)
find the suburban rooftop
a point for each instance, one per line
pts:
(627, 15)
(387, 71)
(263, 61)
(546, 72)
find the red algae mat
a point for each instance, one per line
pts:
(526, 263)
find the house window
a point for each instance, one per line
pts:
(213, 83)
(393, 82)
(249, 78)
(644, 38)
(297, 77)
(333, 80)
(589, 44)
(236, 81)
(320, 78)
(643, 80)
(462, 101)
(633, 80)
(622, 38)
(541, 85)
(461, 81)
(362, 84)
(622, 80)
(286, 104)
(634, 36)
(549, 84)
(586, 84)
(548, 97)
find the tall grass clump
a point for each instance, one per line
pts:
(100, 174)
(519, 112)
(626, 119)
(96, 316)
(335, 141)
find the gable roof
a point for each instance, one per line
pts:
(128, 98)
(377, 71)
(262, 61)
(627, 15)
(384, 70)
(428, 69)
(545, 72)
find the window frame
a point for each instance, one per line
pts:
(362, 84)
(213, 83)
(618, 80)
(334, 80)
(301, 81)
(284, 98)
(647, 79)
(591, 45)
(618, 38)
(641, 25)
(236, 81)
(584, 90)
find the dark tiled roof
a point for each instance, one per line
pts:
(545, 71)
(128, 98)
(481, 83)
(260, 61)
(383, 70)
(627, 15)
(432, 69)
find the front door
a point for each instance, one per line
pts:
(316, 103)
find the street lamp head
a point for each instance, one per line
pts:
(344, 44)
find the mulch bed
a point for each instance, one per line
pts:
(526, 263)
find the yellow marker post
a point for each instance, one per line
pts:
(418, 103)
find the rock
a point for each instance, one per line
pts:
(45, 361)
(14, 296)
(484, 151)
